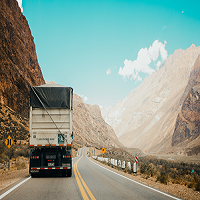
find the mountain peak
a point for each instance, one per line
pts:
(146, 118)
(192, 46)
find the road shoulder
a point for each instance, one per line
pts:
(177, 190)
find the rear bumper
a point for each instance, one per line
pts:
(39, 169)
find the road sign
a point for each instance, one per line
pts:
(9, 142)
(136, 159)
(103, 150)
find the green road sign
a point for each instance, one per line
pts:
(60, 139)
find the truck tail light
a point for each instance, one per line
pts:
(34, 157)
(67, 156)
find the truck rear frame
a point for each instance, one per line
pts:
(50, 127)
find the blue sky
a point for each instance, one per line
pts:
(105, 49)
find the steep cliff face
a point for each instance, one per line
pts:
(11, 123)
(18, 60)
(19, 69)
(90, 128)
(187, 126)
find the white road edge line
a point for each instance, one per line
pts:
(136, 181)
(10, 190)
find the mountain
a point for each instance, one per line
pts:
(89, 126)
(19, 66)
(187, 127)
(146, 118)
(19, 69)
(13, 124)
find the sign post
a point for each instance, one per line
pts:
(135, 165)
(103, 150)
(136, 159)
(9, 142)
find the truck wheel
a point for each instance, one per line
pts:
(63, 173)
(33, 175)
(69, 172)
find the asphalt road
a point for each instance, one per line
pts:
(88, 181)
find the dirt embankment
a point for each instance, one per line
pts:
(18, 170)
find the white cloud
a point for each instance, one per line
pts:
(144, 58)
(108, 71)
(158, 64)
(164, 27)
(20, 4)
(83, 97)
(156, 49)
(182, 12)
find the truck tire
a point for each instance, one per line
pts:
(33, 175)
(69, 172)
(64, 173)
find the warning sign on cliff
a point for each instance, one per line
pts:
(9, 142)
(103, 150)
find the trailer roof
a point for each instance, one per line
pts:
(51, 96)
(51, 85)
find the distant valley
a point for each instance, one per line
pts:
(153, 116)
(162, 115)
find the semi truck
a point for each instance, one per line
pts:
(50, 129)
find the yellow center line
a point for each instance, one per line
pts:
(84, 195)
(80, 180)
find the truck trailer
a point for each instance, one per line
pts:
(50, 129)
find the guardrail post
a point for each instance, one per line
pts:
(115, 163)
(123, 165)
(134, 168)
(128, 165)
(119, 163)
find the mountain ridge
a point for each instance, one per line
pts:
(188, 120)
(18, 60)
(19, 69)
(146, 118)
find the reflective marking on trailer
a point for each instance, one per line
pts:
(34, 168)
(47, 145)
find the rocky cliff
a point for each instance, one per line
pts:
(13, 124)
(187, 128)
(18, 60)
(89, 126)
(146, 118)
(19, 69)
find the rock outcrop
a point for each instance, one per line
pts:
(187, 126)
(18, 60)
(89, 127)
(13, 124)
(19, 69)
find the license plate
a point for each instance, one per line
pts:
(50, 156)
(51, 164)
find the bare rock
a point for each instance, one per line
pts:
(18, 60)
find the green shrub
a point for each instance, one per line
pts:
(163, 177)
(20, 164)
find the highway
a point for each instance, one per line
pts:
(89, 181)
